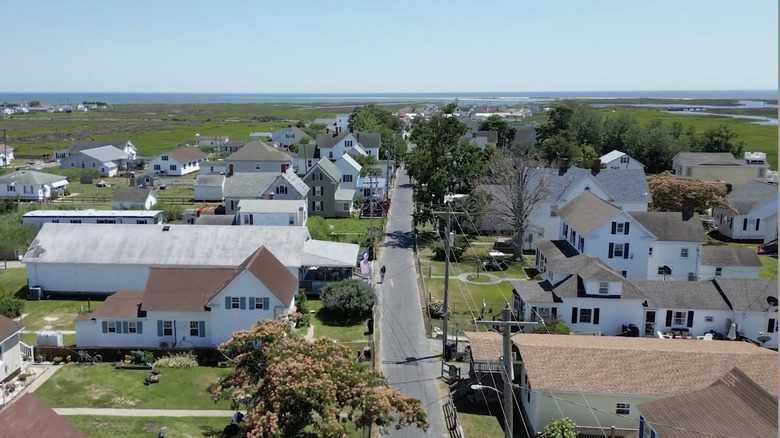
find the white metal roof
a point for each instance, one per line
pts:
(329, 254)
(93, 213)
(271, 205)
(614, 155)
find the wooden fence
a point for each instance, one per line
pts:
(598, 432)
(451, 419)
(107, 200)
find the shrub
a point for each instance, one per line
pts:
(553, 327)
(302, 303)
(141, 357)
(40, 358)
(171, 213)
(57, 360)
(10, 306)
(348, 300)
(179, 360)
(560, 428)
(459, 245)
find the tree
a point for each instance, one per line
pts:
(669, 192)
(506, 133)
(300, 124)
(369, 166)
(348, 300)
(553, 326)
(11, 307)
(558, 121)
(719, 139)
(459, 246)
(371, 118)
(467, 165)
(295, 388)
(560, 147)
(560, 428)
(318, 228)
(518, 181)
(34, 103)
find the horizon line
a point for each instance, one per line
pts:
(390, 92)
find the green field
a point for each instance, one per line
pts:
(145, 427)
(324, 327)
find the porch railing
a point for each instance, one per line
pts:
(28, 354)
(601, 432)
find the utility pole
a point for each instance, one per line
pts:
(447, 248)
(506, 325)
(5, 150)
(371, 208)
(387, 172)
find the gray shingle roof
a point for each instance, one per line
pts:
(680, 294)
(106, 153)
(587, 212)
(708, 159)
(30, 177)
(258, 151)
(747, 294)
(209, 180)
(248, 184)
(81, 145)
(752, 195)
(367, 139)
(131, 194)
(344, 195)
(186, 154)
(308, 150)
(534, 291)
(215, 219)
(725, 255)
(670, 226)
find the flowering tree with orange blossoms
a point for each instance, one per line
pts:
(293, 387)
(669, 191)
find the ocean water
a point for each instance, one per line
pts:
(508, 98)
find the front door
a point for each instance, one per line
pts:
(649, 323)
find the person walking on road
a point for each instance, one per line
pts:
(382, 271)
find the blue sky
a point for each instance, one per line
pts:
(293, 46)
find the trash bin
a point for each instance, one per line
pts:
(449, 350)
(370, 324)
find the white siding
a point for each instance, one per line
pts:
(274, 219)
(347, 169)
(767, 222)
(57, 277)
(150, 202)
(707, 272)
(258, 166)
(11, 358)
(669, 254)
(37, 222)
(160, 166)
(629, 164)
(634, 261)
(36, 192)
(752, 324)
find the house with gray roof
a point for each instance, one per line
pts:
(82, 145)
(326, 197)
(245, 185)
(29, 185)
(752, 212)
(178, 162)
(624, 188)
(728, 262)
(334, 145)
(721, 167)
(128, 198)
(288, 136)
(209, 188)
(106, 160)
(304, 157)
(258, 156)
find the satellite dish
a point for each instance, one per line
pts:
(772, 301)
(763, 338)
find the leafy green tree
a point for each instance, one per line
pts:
(506, 133)
(558, 121)
(318, 228)
(670, 191)
(34, 103)
(459, 246)
(11, 307)
(371, 118)
(587, 155)
(467, 166)
(347, 300)
(560, 147)
(553, 326)
(300, 124)
(296, 388)
(720, 139)
(315, 128)
(560, 428)
(171, 213)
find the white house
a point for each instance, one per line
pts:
(602, 380)
(257, 156)
(260, 135)
(126, 198)
(620, 160)
(754, 204)
(209, 188)
(342, 122)
(636, 244)
(371, 187)
(288, 136)
(262, 185)
(189, 307)
(81, 145)
(178, 162)
(91, 258)
(272, 212)
(230, 146)
(304, 157)
(211, 140)
(624, 188)
(334, 146)
(6, 155)
(107, 160)
(12, 349)
(29, 185)
(37, 218)
(350, 171)
(728, 262)
(287, 185)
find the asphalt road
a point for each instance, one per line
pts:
(409, 360)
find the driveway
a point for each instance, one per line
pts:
(408, 358)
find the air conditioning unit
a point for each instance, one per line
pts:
(34, 293)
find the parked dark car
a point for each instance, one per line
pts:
(496, 265)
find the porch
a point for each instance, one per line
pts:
(317, 277)
(28, 354)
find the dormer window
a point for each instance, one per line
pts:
(347, 143)
(603, 288)
(164, 158)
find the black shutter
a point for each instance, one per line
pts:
(614, 227)
(690, 318)
(574, 315)
(533, 313)
(611, 246)
(625, 251)
(758, 221)
(770, 328)
(626, 229)
(554, 312)
(596, 316)
(668, 318)
(744, 224)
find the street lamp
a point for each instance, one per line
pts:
(478, 387)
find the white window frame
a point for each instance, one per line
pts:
(615, 247)
(317, 205)
(688, 171)
(553, 211)
(581, 319)
(620, 228)
(623, 409)
(235, 302)
(172, 167)
(684, 253)
(259, 304)
(167, 328)
(347, 143)
(111, 327)
(679, 318)
(347, 206)
(718, 271)
(651, 251)
(624, 159)
(164, 158)
(132, 327)
(317, 190)
(195, 328)
(603, 287)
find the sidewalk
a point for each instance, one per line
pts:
(145, 412)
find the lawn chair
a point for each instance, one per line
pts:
(663, 336)
(706, 337)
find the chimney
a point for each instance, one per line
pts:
(729, 188)
(271, 196)
(230, 169)
(688, 208)
(595, 165)
(564, 166)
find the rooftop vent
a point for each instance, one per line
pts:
(166, 228)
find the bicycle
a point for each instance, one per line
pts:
(85, 358)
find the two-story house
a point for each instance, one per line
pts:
(257, 156)
(752, 214)
(721, 167)
(350, 171)
(178, 162)
(6, 155)
(333, 146)
(262, 185)
(288, 136)
(620, 160)
(326, 197)
(29, 185)
(106, 160)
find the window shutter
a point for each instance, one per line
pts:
(758, 221)
(574, 315)
(596, 316)
(614, 227)
(625, 251)
(533, 313)
(690, 319)
(242, 302)
(159, 328)
(266, 305)
(105, 327)
(770, 328)
(611, 246)
(140, 327)
(252, 303)
(554, 312)
(125, 328)
(668, 318)
(227, 302)
(625, 230)
(202, 329)
(744, 224)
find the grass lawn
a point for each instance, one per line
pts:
(145, 427)
(477, 420)
(470, 261)
(466, 298)
(13, 281)
(769, 269)
(325, 327)
(102, 386)
(60, 313)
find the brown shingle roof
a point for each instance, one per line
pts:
(641, 366)
(8, 327)
(184, 289)
(670, 226)
(586, 212)
(733, 406)
(729, 256)
(29, 417)
(273, 274)
(258, 151)
(123, 304)
(485, 346)
(186, 154)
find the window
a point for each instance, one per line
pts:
(581, 246)
(317, 205)
(619, 227)
(346, 178)
(761, 172)
(624, 274)
(292, 220)
(709, 319)
(330, 154)
(11, 188)
(140, 221)
(664, 270)
(132, 327)
(94, 164)
(246, 219)
(622, 408)
(173, 167)
(257, 166)
(586, 316)
(565, 230)
(758, 221)
(111, 326)
(679, 318)
(684, 252)
(688, 171)
(75, 221)
(553, 211)
(281, 190)
(651, 250)
(624, 159)
(164, 158)
(347, 143)
(167, 328)
(72, 164)
(55, 221)
(258, 303)
(317, 190)
(718, 272)
(617, 250)
(346, 206)
(604, 287)
(194, 328)
(235, 303)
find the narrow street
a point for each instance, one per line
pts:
(409, 359)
